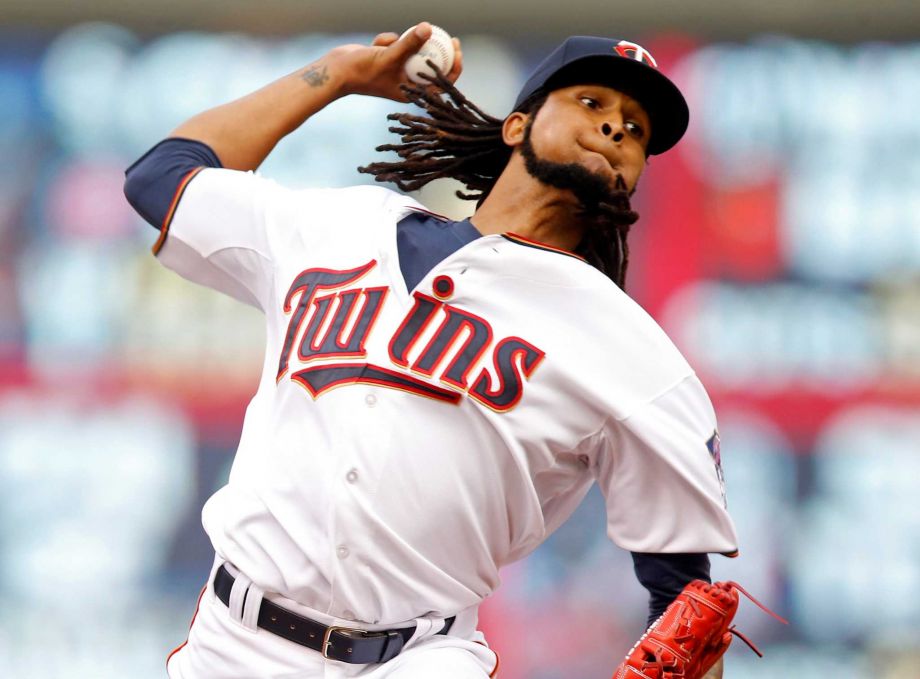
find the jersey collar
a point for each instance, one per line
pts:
(530, 243)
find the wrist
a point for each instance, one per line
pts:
(324, 78)
(344, 78)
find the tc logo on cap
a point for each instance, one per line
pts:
(631, 50)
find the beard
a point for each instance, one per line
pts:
(600, 205)
(604, 212)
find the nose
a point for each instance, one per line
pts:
(614, 132)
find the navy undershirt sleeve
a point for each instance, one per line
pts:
(151, 182)
(665, 576)
(423, 240)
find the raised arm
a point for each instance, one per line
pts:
(240, 134)
(243, 132)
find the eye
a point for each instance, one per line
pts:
(634, 128)
(590, 102)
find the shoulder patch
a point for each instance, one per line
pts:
(714, 444)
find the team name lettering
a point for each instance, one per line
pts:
(514, 358)
(304, 289)
(325, 335)
(456, 325)
(332, 321)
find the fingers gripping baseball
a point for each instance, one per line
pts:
(423, 49)
(410, 42)
(380, 69)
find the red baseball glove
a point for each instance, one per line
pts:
(690, 636)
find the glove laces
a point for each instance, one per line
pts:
(750, 644)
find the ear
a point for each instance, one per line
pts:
(513, 128)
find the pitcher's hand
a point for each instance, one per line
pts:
(378, 69)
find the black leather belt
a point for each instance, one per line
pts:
(336, 643)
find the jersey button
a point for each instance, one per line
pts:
(342, 551)
(370, 400)
(352, 476)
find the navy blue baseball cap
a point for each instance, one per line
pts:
(624, 66)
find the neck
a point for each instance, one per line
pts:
(520, 204)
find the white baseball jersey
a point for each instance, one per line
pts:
(403, 445)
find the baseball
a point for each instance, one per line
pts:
(438, 48)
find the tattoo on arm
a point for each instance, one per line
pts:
(315, 76)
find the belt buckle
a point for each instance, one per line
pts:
(345, 631)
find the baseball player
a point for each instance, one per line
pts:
(437, 396)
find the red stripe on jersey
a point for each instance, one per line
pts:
(542, 246)
(164, 228)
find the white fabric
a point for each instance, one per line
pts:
(219, 648)
(238, 597)
(250, 619)
(376, 504)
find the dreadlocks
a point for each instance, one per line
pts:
(456, 139)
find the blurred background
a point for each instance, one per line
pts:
(779, 246)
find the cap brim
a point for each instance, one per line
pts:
(666, 107)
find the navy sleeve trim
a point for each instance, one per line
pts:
(164, 230)
(666, 575)
(156, 180)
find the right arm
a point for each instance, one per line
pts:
(243, 132)
(240, 134)
(219, 239)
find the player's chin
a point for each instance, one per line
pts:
(598, 166)
(621, 183)
(613, 178)
(602, 179)
(618, 176)
(626, 185)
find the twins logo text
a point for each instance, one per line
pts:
(336, 356)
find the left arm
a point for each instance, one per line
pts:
(664, 499)
(666, 575)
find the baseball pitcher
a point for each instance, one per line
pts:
(437, 396)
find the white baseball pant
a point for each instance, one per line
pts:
(221, 646)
